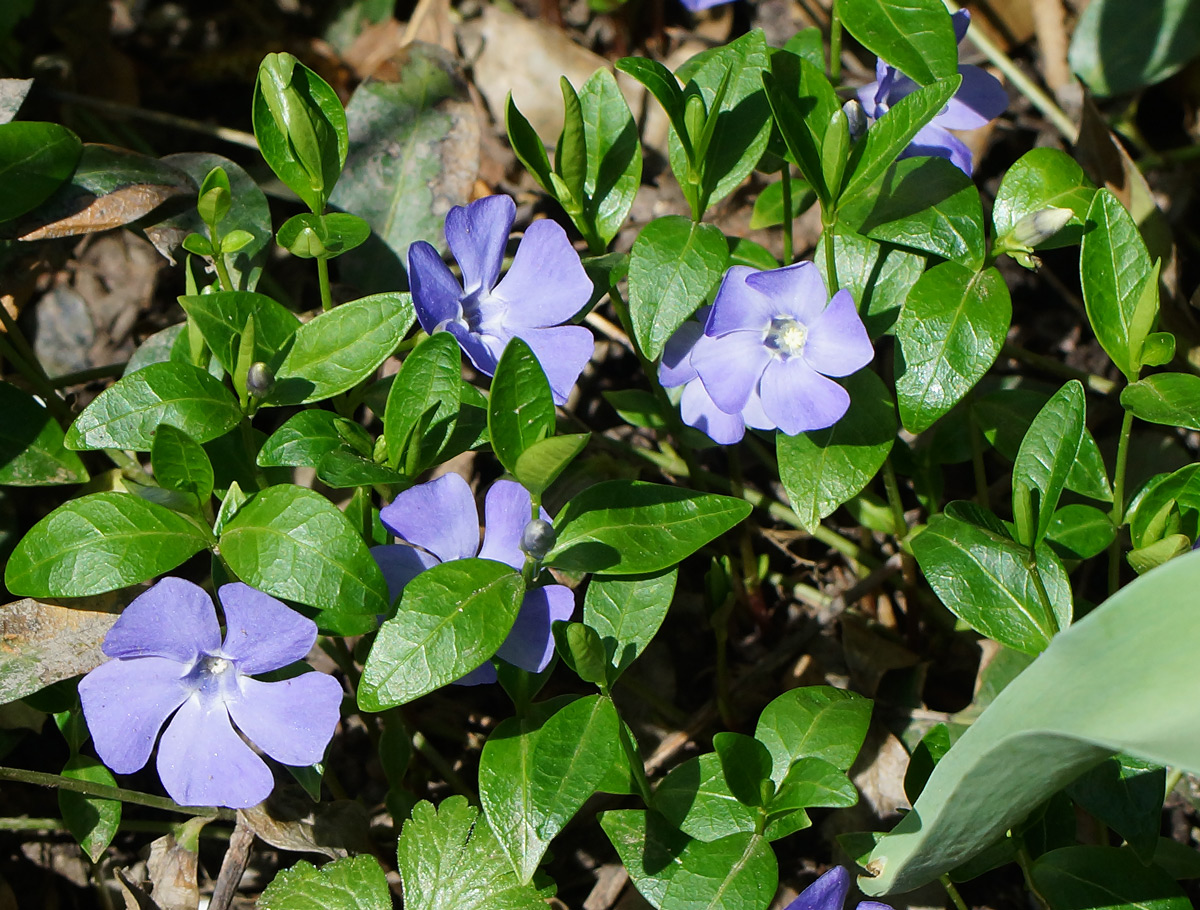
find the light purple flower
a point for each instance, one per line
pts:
(770, 343)
(169, 659)
(697, 6)
(440, 521)
(829, 893)
(545, 286)
(979, 99)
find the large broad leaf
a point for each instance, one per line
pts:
(423, 403)
(451, 618)
(293, 543)
(31, 444)
(950, 331)
(521, 409)
(1044, 178)
(47, 642)
(625, 527)
(222, 317)
(1044, 461)
(1122, 45)
(304, 439)
(614, 155)
(674, 265)
(626, 613)
(673, 871)
(341, 348)
(915, 36)
(824, 469)
(449, 859)
(813, 722)
(35, 159)
(536, 773)
(352, 883)
(92, 821)
(1172, 399)
(1126, 794)
(1081, 701)
(879, 277)
(126, 414)
(1104, 878)
(696, 799)
(98, 543)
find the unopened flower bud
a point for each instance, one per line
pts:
(259, 380)
(538, 538)
(856, 118)
(1038, 227)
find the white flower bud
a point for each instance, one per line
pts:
(1038, 227)
(856, 117)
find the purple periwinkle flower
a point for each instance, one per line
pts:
(170, 659)
(697, 6)
(770, 344)
(979, 99)
(544, 288)
(440, 521)
(829, 893)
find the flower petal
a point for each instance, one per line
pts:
(439, 516)
(980, 99)
(174, 618)
(546, 284)
(800, 399)
(962, 20)
(730, 367)
(530, 643)
(400, 564)
(262, 633)
(483, 350)
(506, 511)
(737, 307)
(292, 720)
(838, 343)
(203, 762)
(935, 142)
(477, 234)
(754, 415)
(436, 293)
(798, 291)
(699, 410)
(676, 366)
(826, 893)
(563, 351)
(482, 675)
(126, 702)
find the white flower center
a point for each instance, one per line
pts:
(786, 336)
(213, 676)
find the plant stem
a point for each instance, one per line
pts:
(955, 897)
(785, 181)
(323, 278)
(172, 120)
(835, 45)
(1093, 382)
(830, 260)
(1118, 510)
(223, 273)
(58, 826)
(438, 762)
(78, 378)
(899, 523)
(103, 791)
(15, 349)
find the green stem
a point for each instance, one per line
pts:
(830, 259)
(1118, 510)
(323, 278)
(785, 182)
(899, 523)
(58, 825)
(223, 273)
(438, 762)
(78, 378)
(952, 892)
(1025, 861)
(103, 791)
(1043, 595)
(835, 45)
(1094, 383)
(15, 349)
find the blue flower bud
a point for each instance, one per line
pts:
(538, 538)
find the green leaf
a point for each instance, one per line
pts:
(1047, 454)
(1043, 178)
(925, 204)
(293, 543)
(813, 722)
(341, 348)
(662, 84)
(304, 439)
(803, 103)
(341, 469)
(527, 145)
(539, 465)
(449, 859)
(451, 618)
(1172, 399)
(180, 463)
(950, 331)
(673, 871)
(310, 236)
(521, 409)
(92, 822)
(813, 782)
(350, 883)
(822, 470)
(1126, 794)
(570, 158)
(537, 771)
(988, 582)
(1178, 492)
(1119, 46)
(1080, 532)
(614, 159)
(745, 764)
(695, 798)
(1104, 878)
(1138, 698)
(626, 613)
(31, 444)
(581, 649)
(100, 542)
(768, 205)
(624, 527)
(222, 316)
(674, 266)
(126, 414)
(878, 277)
(1114, 267)
(35, 159)
(915, 36)
(429, 378)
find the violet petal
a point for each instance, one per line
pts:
(800, 399)
(827, 893)
(837, 343)
(292, 720)
(482, 350)
(482, 675)
(530, 643)
(676, 366)
(699, 410)
(261, 633)
(203, 762)
(730, 367)
(506, 511)
(174, 618)
(477, 234)
(737, 306)
(563, 351)
(546, 284)
(435, 291)
(439, 516)
(126, 702)
(979, 100)
(798, 291)
(400, 564)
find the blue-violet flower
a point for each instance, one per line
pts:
(544, 288)
(829, 893)
(770, 343)
(440, 521)
(979, 99)
(170, 659)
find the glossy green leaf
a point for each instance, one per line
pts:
(31, 444)
(1118, 46)
(536, 772)
(1044, 460)
(35, 159)
(674, 266)
(1174, 495)
(339, 349)
(695, 798)
(1172, 399)
(571, 154)
(662, 84)
(304, 439)
(915, 36)
(614, 154)
(100, 542)
(1104, 878)
(813, 782)
(803, 103)
(878, 277)
(745, 764)
(221, 318)
(310, 236)
(451, 618)
(1043, 178)
(1143, 559)
(769, 208)
(341, 469)
(626, 613)
(429, 378)
(180, 463)
(527, 145)
(539, 465)
(623, 527)
(813, 722)
(293, 543)
(126, 414)
(988, 581)
(1078, 531)
(950, 331)
(449, 859)
(823, 469)
(92, 822)
(1081, 701)
(350, 883)
(521, 408)
(1126, 794)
